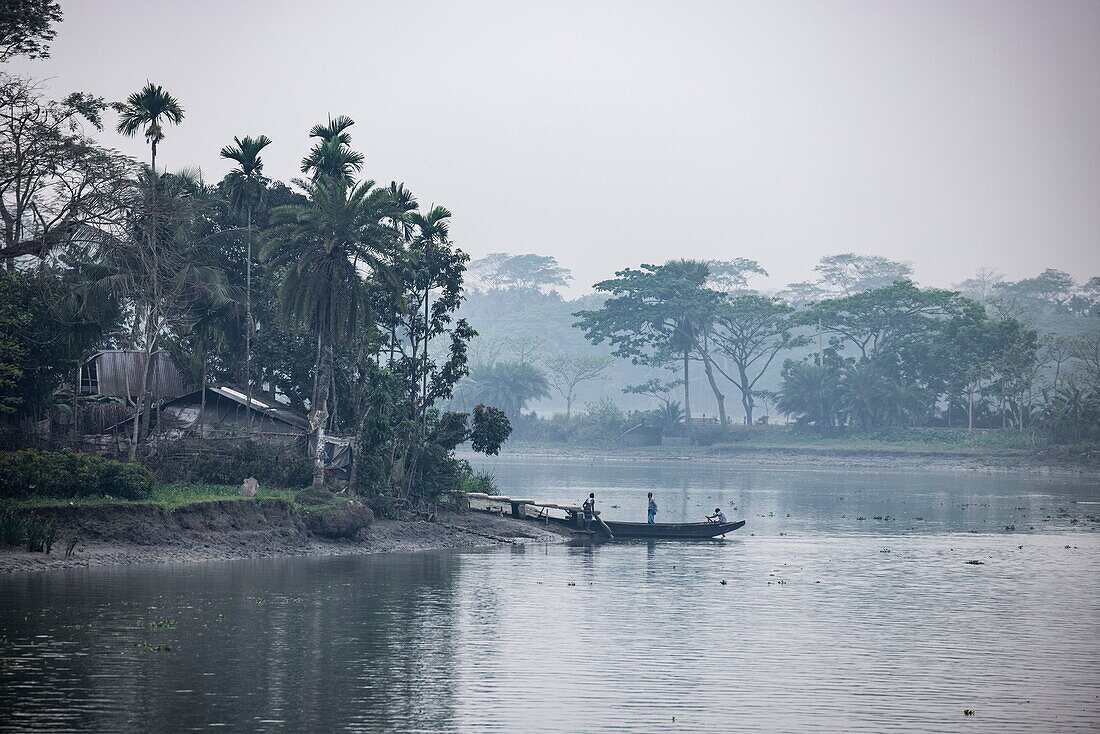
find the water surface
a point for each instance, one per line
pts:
(848, 605)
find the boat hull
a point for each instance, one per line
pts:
(672, 530)
(666, 531)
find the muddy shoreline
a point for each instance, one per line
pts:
(221, 531)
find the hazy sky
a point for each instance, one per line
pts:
(949, 134)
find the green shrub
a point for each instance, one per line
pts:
(71, 474)
(248, 461)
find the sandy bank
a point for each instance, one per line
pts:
(125, 534)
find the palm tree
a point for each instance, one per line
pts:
(246, 185)
(863, 393)
(508, 385)
(432, 230)
(320, 248)
(401, 204)
(149, 109)
(810, 391)
(332, 157)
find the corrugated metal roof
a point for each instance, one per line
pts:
(119, 373)
(258, 404)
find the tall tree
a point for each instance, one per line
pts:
(150, 108)
(751, 330)
(567, 372)
(246, 185)
(320, 249)
(54, 179)
(332, 157)
(154, 263)
(431, 236)
(656, 314)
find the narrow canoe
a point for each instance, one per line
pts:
(667, 530)
(672, 530)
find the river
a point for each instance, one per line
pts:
(862, 602)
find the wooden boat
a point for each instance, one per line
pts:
(683, 530)
(661, 530)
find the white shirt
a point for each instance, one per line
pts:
(722, 517)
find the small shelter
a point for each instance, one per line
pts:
(119, 373)
(227, 412)
(641, 435)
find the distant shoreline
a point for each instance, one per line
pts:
(824, 458)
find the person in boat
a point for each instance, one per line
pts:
(652, 510)
(718, 516)
(589, 508)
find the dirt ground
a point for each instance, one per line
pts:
(126, 534)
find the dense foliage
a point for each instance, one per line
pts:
(71, 474)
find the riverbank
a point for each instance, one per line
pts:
(113, 534)
(839, 456)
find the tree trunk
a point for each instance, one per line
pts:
(970, 411)
(248, 322)
(141, 407)
(718, 396)
(202, 400)
(154, 166)
(687, 398)
(319, 416)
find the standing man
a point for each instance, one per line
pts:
(589, 508)
(652, 509)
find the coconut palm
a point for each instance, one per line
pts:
(149, 109)
(321, 250)
(332, 157)
(246, 185)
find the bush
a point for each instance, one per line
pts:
(246, 461)
(71, 474)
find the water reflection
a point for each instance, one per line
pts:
(823, 623)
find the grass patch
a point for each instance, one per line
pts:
(167, 496)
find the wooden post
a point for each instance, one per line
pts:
(519, 510)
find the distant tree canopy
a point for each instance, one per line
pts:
(502, 270)
(845, 274)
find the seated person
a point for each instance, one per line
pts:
(718, 516)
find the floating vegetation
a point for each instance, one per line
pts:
(977, 563)
(884, 550)
(723, 582)
(144, 645)
(164, 623)
(861, 518)
(968, 712)
(572, 583)
(1010, 528)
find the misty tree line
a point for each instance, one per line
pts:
(333, 295)
(861, 345)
